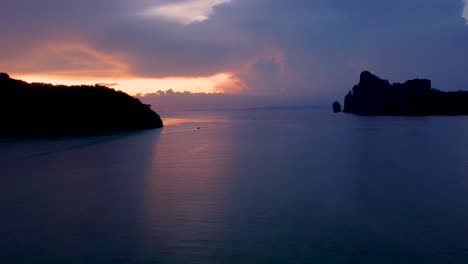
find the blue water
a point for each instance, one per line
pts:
(249, 186)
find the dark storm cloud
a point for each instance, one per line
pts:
(310, 48)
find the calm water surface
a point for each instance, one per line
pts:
(251, 186)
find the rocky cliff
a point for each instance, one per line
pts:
(374, 96)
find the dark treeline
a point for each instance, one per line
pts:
(44, 109)
(374, 96)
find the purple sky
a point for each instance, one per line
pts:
(295, 49)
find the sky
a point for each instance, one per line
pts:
(291, 50)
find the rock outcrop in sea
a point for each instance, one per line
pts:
(375, 96)
(45, 109)
(336, 107)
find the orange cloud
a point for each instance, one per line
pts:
(67, 60)
(75, 63)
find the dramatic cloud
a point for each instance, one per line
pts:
(313, 49)
(465, 11)
(185, 12)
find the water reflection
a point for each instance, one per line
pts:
(171, 122)
(184, 196)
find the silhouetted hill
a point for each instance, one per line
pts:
(44, 109)
(374, 96)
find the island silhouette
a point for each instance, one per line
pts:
(46, 109)
(374, 96)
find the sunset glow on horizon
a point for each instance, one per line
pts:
(68, 63)
(133, 86)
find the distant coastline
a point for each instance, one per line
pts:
(374, 96)
(29, 109)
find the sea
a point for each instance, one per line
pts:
(251, 186)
